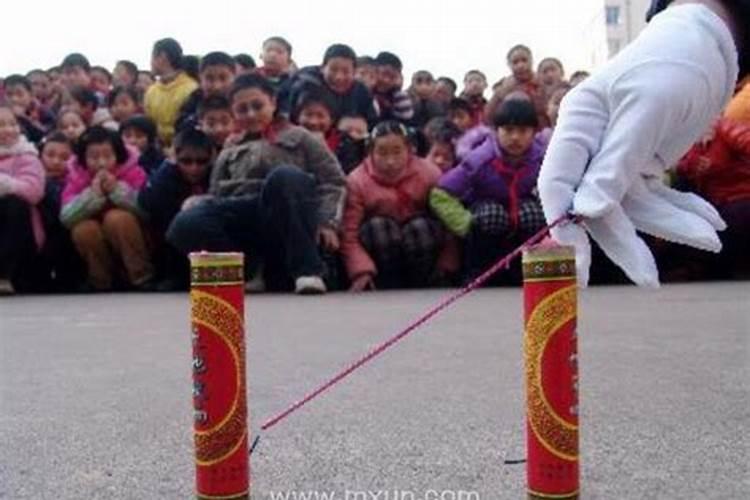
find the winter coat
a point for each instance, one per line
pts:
(727, 177)
(484, 175)
(163, 101)
(80, 202)
(369, 195)
(22, 175)
(162, 197)
(739, 107)
(241, 169)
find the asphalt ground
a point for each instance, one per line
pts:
(95, 396)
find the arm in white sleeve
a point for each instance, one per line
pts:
(620, 129)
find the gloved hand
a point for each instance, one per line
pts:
(622, 128)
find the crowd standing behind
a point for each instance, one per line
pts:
(331, 176)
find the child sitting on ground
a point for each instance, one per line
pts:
(167, 191)
(490, 198)
(389, 239)
(63, 269)
(21, 188)
(99, 207)
(718, 168)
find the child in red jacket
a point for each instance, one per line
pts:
(718, 168)
(389, 238)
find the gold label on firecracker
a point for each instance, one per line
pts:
(556, 433)
(549, 263)
(216, 269)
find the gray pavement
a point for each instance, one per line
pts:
(95, 398)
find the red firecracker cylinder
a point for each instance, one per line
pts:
(219, 388)
(551, 360)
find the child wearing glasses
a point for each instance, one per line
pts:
(172, 187)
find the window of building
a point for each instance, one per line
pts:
(613, 15)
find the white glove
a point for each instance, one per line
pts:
(619, 130)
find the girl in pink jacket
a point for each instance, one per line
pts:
(99, 206)
(21, 188)
(389, 239)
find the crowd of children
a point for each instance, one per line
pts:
(331, 176)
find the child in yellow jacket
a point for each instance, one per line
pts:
(164, 99)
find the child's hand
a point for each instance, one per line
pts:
(96, 185)
(362, 283)
(108, 182)
(194, 201)
(328, 238)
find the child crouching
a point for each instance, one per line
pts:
(490, 197)
(389, 239)
(99, 207)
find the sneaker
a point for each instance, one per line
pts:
(6, 288)
(309, 285)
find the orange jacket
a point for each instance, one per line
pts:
(739, 107)
(726, 178)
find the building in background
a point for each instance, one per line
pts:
(624, 19)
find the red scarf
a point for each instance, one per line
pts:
(511, 176)
(333, 139)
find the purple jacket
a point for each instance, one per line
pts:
(483, 175)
